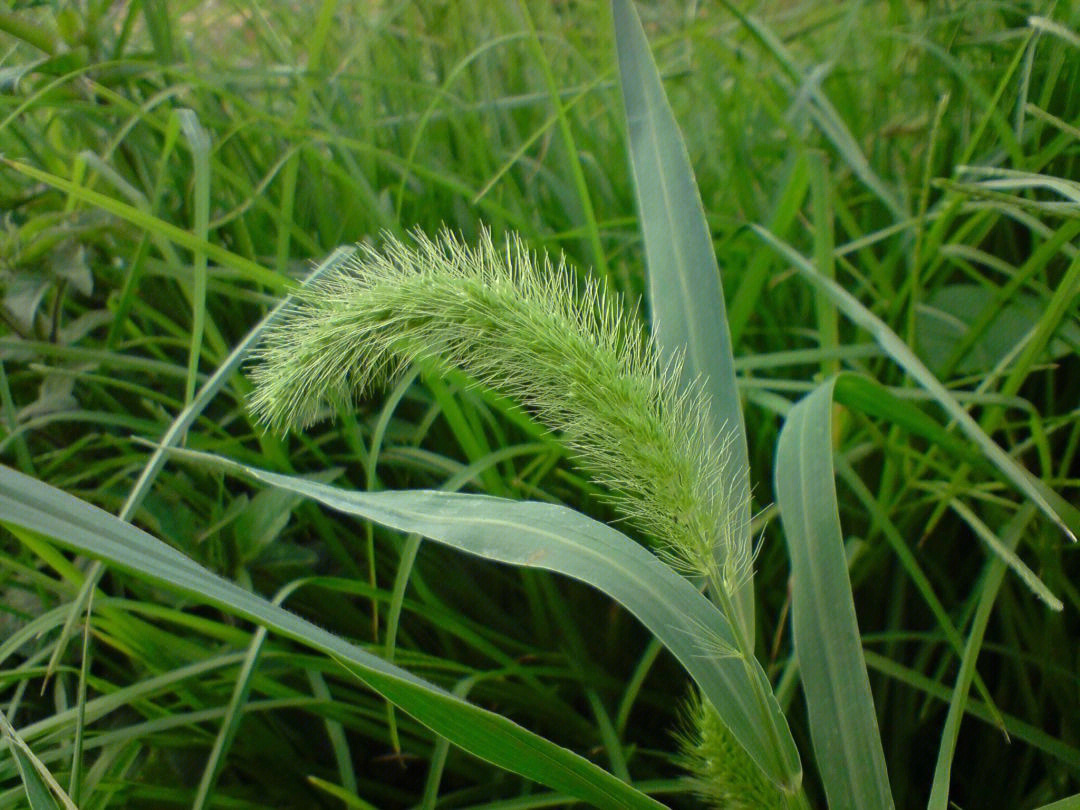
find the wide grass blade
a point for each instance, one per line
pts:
(843, 724)
(82, 527)
(686, 297)
(554, 538)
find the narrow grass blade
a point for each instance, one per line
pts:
(199, 142)
(151, 224)
(1006, 552)
(31, 504)
(1016, 729)
(988, 591)
(843, 724)
(1049, 502)
(42, 790)
(685, 294)
(554, 538)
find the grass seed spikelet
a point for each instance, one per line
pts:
(516, 323)
(722, 773)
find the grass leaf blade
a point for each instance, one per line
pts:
(686, 297)
(77, 525)
(843, 724)
(554, 538)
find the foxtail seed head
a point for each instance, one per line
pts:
(723, 774)
(516, 323)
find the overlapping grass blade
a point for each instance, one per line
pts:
(33, 505)
(42, 790)
(554, 538)
(686, 297)
(843, 724)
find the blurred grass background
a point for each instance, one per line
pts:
(169, 167)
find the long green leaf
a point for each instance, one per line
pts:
(555, 538)
(843, 724)
(686, 298)
(31, 504)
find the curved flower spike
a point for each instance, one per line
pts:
(514, 322)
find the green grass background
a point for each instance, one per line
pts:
(168, 167)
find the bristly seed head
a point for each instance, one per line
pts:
(723, 775)
(516, 323)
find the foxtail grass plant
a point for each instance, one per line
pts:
(514, 321)
(862, 261)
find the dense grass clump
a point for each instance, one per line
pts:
(168, 171)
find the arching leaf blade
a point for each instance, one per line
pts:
(29, 504)
(555, 538)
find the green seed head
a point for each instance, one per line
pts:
(515, 322)
(723, 774)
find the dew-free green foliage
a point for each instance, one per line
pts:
(169, 169)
